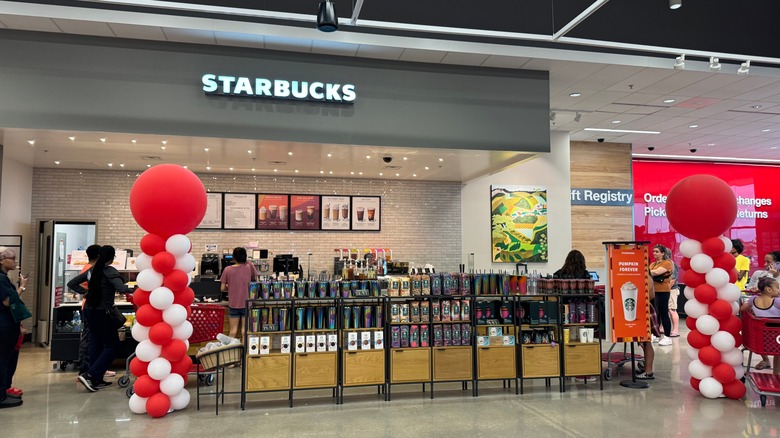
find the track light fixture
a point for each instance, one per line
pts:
(679, 62)
(577, 117)
(714, 63)
(744, 68)
(327, 21)
(675, 4)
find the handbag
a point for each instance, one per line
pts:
(116, 317)
(19, 311)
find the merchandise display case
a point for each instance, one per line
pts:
(409, 358)
(581, 315)
(453, 336)
(540, 336)
(362, 344)
(496, 357)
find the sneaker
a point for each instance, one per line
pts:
(656, 338)
(10, 403)
(586, 379)
(665, 342)
(87, 382)
(101, 384)
(645, 376)
(109, 373)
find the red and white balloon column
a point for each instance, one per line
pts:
(702, 208)
(167, 201)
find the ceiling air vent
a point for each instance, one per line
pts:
(277, 163)
(392, 167)
(151, 157)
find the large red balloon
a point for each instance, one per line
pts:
(704, 293)
(737, 340)
(733, 325)
(723, 373)
(701, 206)
(697, 340)
(147, 315)
(734, 390)
(175, 280)
(690, 322)
(185, 297)
(151, 244)
(174, 350)
(733, 275)
(163, 262)
(158, 405)
(138, 367)
(685, 263)
(695, 383)
(709, 355)
(725, 261)
(692, 278)
(141, 297)
(168, 199)
(183, 366)
(145, 386)
(720, 309)
(713, 246)
(161, 333)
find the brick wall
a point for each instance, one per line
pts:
(421, 221)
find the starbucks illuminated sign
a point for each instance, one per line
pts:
(223, 85)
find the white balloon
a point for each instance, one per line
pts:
(175, 315)
(717, 278)
(695, 308)
(140, 332)
(726, 243)
(723, 341)
(183, 331)
(149, 279)
(187, 343)
(729, 292)
(707, 325)
(735, 308)
(143, 261)
(699, 370)
(159, 368)
(178, 245)
(693, 353)
(710, 388)
(690, 248)
(137, 404)
(185, 263)
(180, 400)
(733, 357)
(702, 263)
(161, 298)
(740, 371)
(147, 351)
(688, 292)
(172, 385)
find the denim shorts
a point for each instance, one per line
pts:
(236, 313)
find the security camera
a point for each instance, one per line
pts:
(601, 140)
(651, 148)
(387, 159)
(693, 151)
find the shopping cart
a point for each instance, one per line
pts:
(615, 360)
(761, 336)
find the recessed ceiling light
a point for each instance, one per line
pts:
(148, 166)
(162, 147)
(253, 169)
(693, 126)
(276, 170)
(669, 100)
(381, 174)
(575, 94)
(360, 173)
(710, 144)
(756, 106)
(122, 165)
(186, 167)
(290, 153)
(622, 131)
(330, 155)
(248, 152)
(441, 159)
(765, 130)
(414, 174)
(368, 157)
(296, 170)
(206, 149)
(32, 142)
(165, 142)
(427, 168)
(773, 148)
(406, 158)
(57, 163)
(322, 172)
(133, 141)
(351, 173)
(103, 140)
(208, 167)
(231, 168)
(72, 138)
(110, 164)
(615, 122)
(330, 172)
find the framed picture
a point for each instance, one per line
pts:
(239, 211)
(273, 212)
(305, 212)
(366, 213)
(213, 218)
(336, 213)
(518, 224)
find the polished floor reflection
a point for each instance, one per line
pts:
(55, 405)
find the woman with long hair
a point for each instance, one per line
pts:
(9, 329)
(661, 270)
(104, 282)
(573, 267)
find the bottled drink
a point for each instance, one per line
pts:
(76, 321)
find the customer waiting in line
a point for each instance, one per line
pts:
(573, 267)
(93, 251)
(10, 330)
(766, 305)
(743, 263)
(674, 294)
(771, 270)
(235, 281)
(661, 270)
(104, 282)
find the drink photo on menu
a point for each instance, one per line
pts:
(273, 212)
(305, 212)
(366, 213)
(336, 212)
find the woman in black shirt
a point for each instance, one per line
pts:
(573, 267)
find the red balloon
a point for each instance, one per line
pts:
(725, 261)
(685, 264)
(697, 340)
(695, 383)
(163, 262)
(690, 322)
(713, 246)
(174, 350)
(705, 293)
(175, 280)
(189, 312)
(161, 333)
(701, 206)
(737, 340)
(720, 309)
(147, 315)
(140, 297)
(723, 373)
(158, 405)
(734, 390)
(151, 244)
(138, 367)
(692, 278)
(733, 325)
(709, 355)
(185, 297)
(145, 386)
(168, 199)
(183, 366)
(733, 275)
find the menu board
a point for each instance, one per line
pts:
(335, 212)
(239, 211)
(366, 213)
(213, 217)
(272, 212)
(304, 212)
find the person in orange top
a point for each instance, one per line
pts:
(93, 251)
(661, 270)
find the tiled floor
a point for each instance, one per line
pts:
(54, 405)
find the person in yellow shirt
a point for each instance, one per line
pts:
(743, 263)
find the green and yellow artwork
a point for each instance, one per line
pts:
(518, 223)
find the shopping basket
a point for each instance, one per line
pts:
(761, 336)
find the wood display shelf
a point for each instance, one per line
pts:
(581, 359)
(363, 367)
(497, 362)
(410, 365)
(452, 363)
(315, 370)
(268, 372)
(541, 360)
